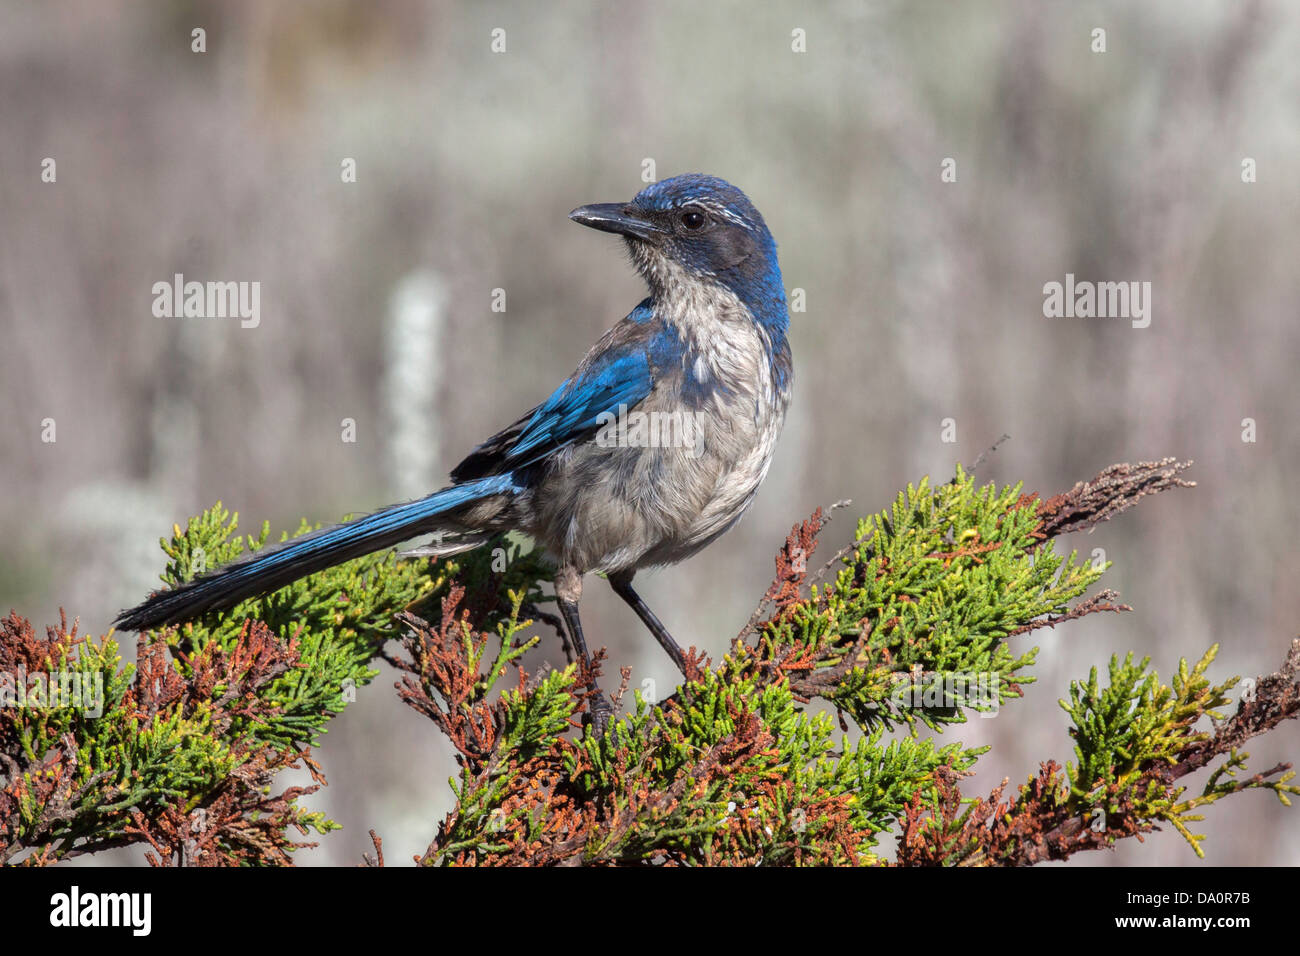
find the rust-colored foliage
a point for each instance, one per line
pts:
(992, 832)
(440, 657)
(786, 588)
(232, 820)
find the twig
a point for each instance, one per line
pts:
(1112, 492)
(376, 861)
(985, 453)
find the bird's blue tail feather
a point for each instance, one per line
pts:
(272, 568)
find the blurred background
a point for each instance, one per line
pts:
(924, 299)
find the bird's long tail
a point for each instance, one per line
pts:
(272, 568)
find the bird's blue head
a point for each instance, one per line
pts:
(698, 229)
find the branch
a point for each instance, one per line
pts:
(1115, 490)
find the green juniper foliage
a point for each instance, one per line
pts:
(1137, 722)
(922, 619)
(938, 583)
(340, 617)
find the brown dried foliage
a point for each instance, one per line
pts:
(1115, 490)
(237, 821)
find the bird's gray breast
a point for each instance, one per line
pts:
(681, 467)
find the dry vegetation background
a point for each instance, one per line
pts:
(924, 299)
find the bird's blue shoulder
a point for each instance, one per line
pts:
(619, 370)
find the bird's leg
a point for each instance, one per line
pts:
(568, 591)
(622, 585)
(570, 611)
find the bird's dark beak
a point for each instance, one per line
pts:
(621, 218)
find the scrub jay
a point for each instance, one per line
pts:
(649, 451)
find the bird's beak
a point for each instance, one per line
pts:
(621, 218)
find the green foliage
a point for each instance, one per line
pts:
(734, 768)
(134, 748)
(1135, 723)
(918, 624)
(934, 586)
(776, 806)
(340, 617)
(731, 770)
(228, 700)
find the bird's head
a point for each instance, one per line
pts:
(697, 229)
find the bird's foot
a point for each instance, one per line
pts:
(600, 714)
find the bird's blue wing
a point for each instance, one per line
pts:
(576, 406)
(609, 377)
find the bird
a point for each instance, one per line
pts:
(654, 447)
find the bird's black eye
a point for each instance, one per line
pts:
(693, 220)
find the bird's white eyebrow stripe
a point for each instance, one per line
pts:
(722, 212)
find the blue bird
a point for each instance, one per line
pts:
(653, 448)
